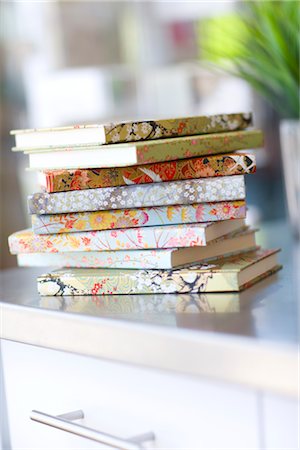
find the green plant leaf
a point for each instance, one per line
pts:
(260, 44)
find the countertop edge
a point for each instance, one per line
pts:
(240, 360)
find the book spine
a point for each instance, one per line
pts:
(186, 169)
(132, 218)
(137, 282)
(148, 130)
(125, 239)
(261, 277)
(158, 194)
(198, 146)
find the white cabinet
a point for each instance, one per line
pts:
(281, 422)
(184, 412)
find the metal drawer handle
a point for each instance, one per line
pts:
(64, 422)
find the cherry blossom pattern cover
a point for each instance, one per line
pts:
(168, 236)
(141, 259)
(183, 192)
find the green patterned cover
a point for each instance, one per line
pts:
(159, 150)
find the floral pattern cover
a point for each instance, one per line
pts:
(183, 192)
(142, 217)
(168, 236)
(130, 259)
(163, 128)
(209, 277)
(207, 166)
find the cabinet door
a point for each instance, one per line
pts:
(184, 412)
(4, 429)
(281, 422)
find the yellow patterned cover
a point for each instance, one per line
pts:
(141, 217)
(210, 277)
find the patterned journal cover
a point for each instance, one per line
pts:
(162, 128)
(168, 236)
(237, 242)
(210, 277)
(208, 166)
(177, 305)
(156, 194)
(146, 152)
(142, 217)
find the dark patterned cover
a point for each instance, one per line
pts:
(185, 169)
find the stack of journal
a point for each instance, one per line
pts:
(142, 207)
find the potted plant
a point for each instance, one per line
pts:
(260, 43)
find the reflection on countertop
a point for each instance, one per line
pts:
(223, 312)
(218, 335)
(268, 310)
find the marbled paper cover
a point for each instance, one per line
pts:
(141, 217)
(183, 192)
(208, 166)
(209, 277)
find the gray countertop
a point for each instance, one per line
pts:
(249, 338)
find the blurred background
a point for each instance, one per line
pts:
(70, 62)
